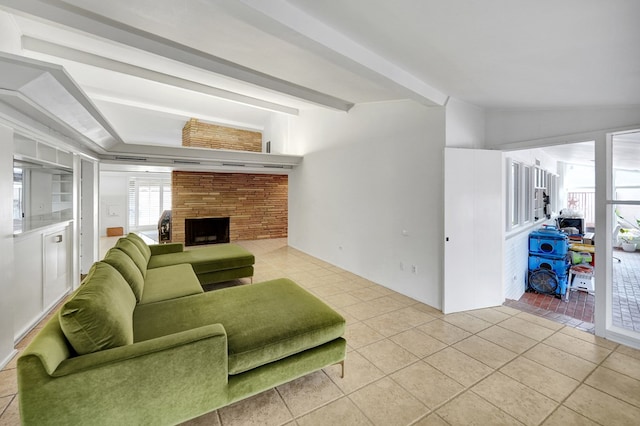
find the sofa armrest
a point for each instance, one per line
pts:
(169, 379)
(215, 332)
(166, 248)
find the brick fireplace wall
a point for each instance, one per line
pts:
(257, 204)
(203, 135)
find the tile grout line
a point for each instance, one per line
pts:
(582, 382)
(13, 397)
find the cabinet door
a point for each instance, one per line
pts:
(474, 229)
(56, 266)
(27, 283)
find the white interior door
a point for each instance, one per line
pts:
(474, 229)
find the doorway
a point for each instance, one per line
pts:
(570, 185)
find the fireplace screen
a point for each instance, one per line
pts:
(206, 230)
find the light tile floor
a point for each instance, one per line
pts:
(407, 363)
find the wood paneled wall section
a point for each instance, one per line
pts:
(203, 135)
(256, 204)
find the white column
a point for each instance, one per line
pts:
(6, 245)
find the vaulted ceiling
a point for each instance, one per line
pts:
(149, 65)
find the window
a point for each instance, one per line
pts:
(532, 194)
(514, 199)
(528, 187)
(148, 198)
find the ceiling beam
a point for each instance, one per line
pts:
(100, 95)
(101, 26)
(48, 48)
(340, 49)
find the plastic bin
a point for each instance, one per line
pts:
(548, 241)
(557, 264)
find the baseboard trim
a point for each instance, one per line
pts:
(8, 359)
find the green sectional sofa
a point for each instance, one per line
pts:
(152, 348)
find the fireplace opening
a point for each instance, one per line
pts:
(206, 230)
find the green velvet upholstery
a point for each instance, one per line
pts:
(178, 353)
(252, 340)
(207, 260)
(254, 381)
(99, 315)
(166, 380)
(128, 269)
(142, 246)
(225, 275)
(134, 253)
(167, 248)
(170, 282)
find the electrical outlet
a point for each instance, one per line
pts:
(414, 269)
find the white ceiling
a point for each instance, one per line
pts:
(291, 55)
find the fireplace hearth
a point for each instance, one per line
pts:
(206, 230)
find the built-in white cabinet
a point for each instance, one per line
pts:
(42, 273)
(56, 266)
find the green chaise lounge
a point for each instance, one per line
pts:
(108, 359)
(212, 264)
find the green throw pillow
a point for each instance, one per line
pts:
(142, 246)
(100, 314)
(133, 252)
(127, 268)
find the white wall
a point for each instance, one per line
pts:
(277, 132)
(516, 264)
(113, 198)
(465, 125)
(6, 245)
(504, 126)
(529, 157)
(367, 176)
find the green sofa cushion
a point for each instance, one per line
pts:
(128, 269)
(142, 246)
(170, 282)
(99, 315)
(134, 253)
(207, 259)
(257, 318)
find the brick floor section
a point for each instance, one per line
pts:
(626, 290)
(579, 311)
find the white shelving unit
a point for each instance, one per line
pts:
(61, 192)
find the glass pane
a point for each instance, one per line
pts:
(166, 197)
(515, 193)
(626, 268)
(18, 203)
(626, 167)
(625, 173)
(148, 204)
(527, 194)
